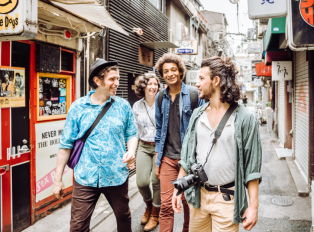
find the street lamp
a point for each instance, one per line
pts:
(234, 1)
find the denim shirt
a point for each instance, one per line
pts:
(248, 157)
(162, 118)
(100, 164)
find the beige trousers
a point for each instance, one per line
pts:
(214, 215)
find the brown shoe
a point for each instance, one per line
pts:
(146, 215)
(153, 220)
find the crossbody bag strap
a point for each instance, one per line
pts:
(99, 117)
(221, 126)
(148, 114)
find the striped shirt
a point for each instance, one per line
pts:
(145, 129)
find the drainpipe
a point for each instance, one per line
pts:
(87, 61)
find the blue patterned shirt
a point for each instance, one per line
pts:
(100, 164)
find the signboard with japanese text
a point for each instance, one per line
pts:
(188, 47)
(48, 136)
(302, 21)
(12, 87)
(254, 48)
(259, 9)
(263, 70)
(282, 71)
(18, 19)
(244, 68)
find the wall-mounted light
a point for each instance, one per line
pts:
(138, 31)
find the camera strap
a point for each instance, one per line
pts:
(221, 126)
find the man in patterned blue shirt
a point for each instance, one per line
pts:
(104, 163)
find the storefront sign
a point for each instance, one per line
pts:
(18, 17)
(48, 136)
(254, 48)
(302, 22)
(244, 68)
(282, 70)
(12, 87)
(259, 9)
(188, 47)
(262, 70)
(11, 14)
(256, 83)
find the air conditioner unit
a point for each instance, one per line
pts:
(216, 37)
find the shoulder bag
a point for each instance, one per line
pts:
(79, 144)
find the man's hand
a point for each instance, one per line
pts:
(58, 188)
(129, 158)
(251, 214)
(176, 200)
(157, 169)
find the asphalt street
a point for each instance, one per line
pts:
(277, 181)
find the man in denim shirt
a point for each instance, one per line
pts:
(171, 124)
(104, 163)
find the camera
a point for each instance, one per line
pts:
(195, 175)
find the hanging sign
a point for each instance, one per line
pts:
(188, 47)
(11, 17)
(282, 71)
(18, 17)
(262, 70)
(12, 87)
(259, 9)
(301, 22)
(48, 136)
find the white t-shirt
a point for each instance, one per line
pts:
(220, 166)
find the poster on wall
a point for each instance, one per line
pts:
(52, 96)
(48, 136)
(12, 87)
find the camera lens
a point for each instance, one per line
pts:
(184, 183)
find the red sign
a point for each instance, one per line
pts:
(262, 70)
(306, 9)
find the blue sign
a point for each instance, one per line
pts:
(185, 50)
(264, 1)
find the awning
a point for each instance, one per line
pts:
(275, 34)
(92, 13)
(277, 56)
(159, 44)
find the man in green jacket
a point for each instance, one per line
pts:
(235, 159)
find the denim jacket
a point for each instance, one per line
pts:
(162, 118)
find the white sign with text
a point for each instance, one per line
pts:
(48, 136)
(281, 70)
(259, 9)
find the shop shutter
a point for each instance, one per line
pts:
(281, 111)
(301, 134)
(125, 49)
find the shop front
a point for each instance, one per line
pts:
(40, 43)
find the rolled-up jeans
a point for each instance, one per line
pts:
(145, 172)
(169, 170)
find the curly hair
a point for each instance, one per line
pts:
(141, 82)
(171, 58)
(102, 74)
(227, 71)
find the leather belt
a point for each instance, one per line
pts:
(223, 188)
(149, 143)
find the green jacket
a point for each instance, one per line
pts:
(248, 160)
